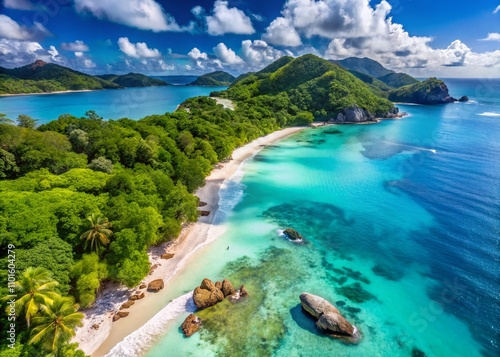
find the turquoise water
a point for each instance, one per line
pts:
(133, 103)
(402, 225)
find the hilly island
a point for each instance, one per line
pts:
(83, 199)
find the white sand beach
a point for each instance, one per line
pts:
(99, 341)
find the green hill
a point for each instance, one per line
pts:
(217, 78)
(380, 79)
(430, 91)
(133, 80)
(309, 86)
(40, 77)
(364, 65)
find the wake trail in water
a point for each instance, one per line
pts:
(434, 151)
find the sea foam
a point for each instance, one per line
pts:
(139, 341)
(489, 114)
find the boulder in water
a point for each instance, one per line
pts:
(293, 235)
(329, 319)
(207, 294)
(191, 325)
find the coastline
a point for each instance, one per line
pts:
(46, 93)
(99, 341)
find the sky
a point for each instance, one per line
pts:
(459, 38)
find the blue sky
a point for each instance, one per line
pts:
(423, 37)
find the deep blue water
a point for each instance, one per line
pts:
(402, 220)
(133, 103)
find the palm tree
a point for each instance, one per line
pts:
(56, 323)
(37, 288)
(98, 236)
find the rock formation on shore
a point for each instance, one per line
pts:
(329, 319)
(430, 91)
(156, 285)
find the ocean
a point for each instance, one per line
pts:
(401, 222)
(400, 219)
(132, 103)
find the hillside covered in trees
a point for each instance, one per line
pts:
(133, 80)
(309, 85)
(41, 77)
(217, 78)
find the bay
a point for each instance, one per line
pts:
(132, 103)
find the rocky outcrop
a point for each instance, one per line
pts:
(191, 325)
(156, 285)
(207, 294)
(329, 319)
(137, 296)
(430, 91)
(293, 235)
(120, 314)
(167, 256)
(353, 114)
(203, 213)
(464, 98)
(227, 288)
(127, 304)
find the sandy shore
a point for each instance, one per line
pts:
(99, 341)
(45, 93)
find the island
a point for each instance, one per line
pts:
(42, 77)
(214, 79)
(83, 199)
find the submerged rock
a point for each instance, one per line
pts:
(329, 319)
(293, 235)
(191, 325)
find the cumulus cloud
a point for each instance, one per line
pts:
(137, 50)
(497, 9)
(495, 36)
(252, 56)
(77, 46)
(226, 55)
(281, 32)
(355, 28)
(10, 29)
(227, 20)
(19, 5)
(15, 53)
(142, 14)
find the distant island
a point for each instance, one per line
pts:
(42, 77)
(217, 78)
(133, 80)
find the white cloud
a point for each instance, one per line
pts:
(196, 54)
(355, 28)
(137, 50)
(258, 53)
(10, 29)
(497, 9)
(226, 55)
(252, 56)
(495, 36)
(228, 20)
(280, 32)
(77, 46)
(142, 14)
(15, 53)
(19, 5)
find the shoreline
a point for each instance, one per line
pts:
(99, 341)
(56, 92)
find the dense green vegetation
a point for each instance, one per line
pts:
(380, 79)
(217, 78)
(133, 80)
(430, 91)
(308, 84)
(40, 77)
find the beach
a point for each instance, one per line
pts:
(99, 333)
